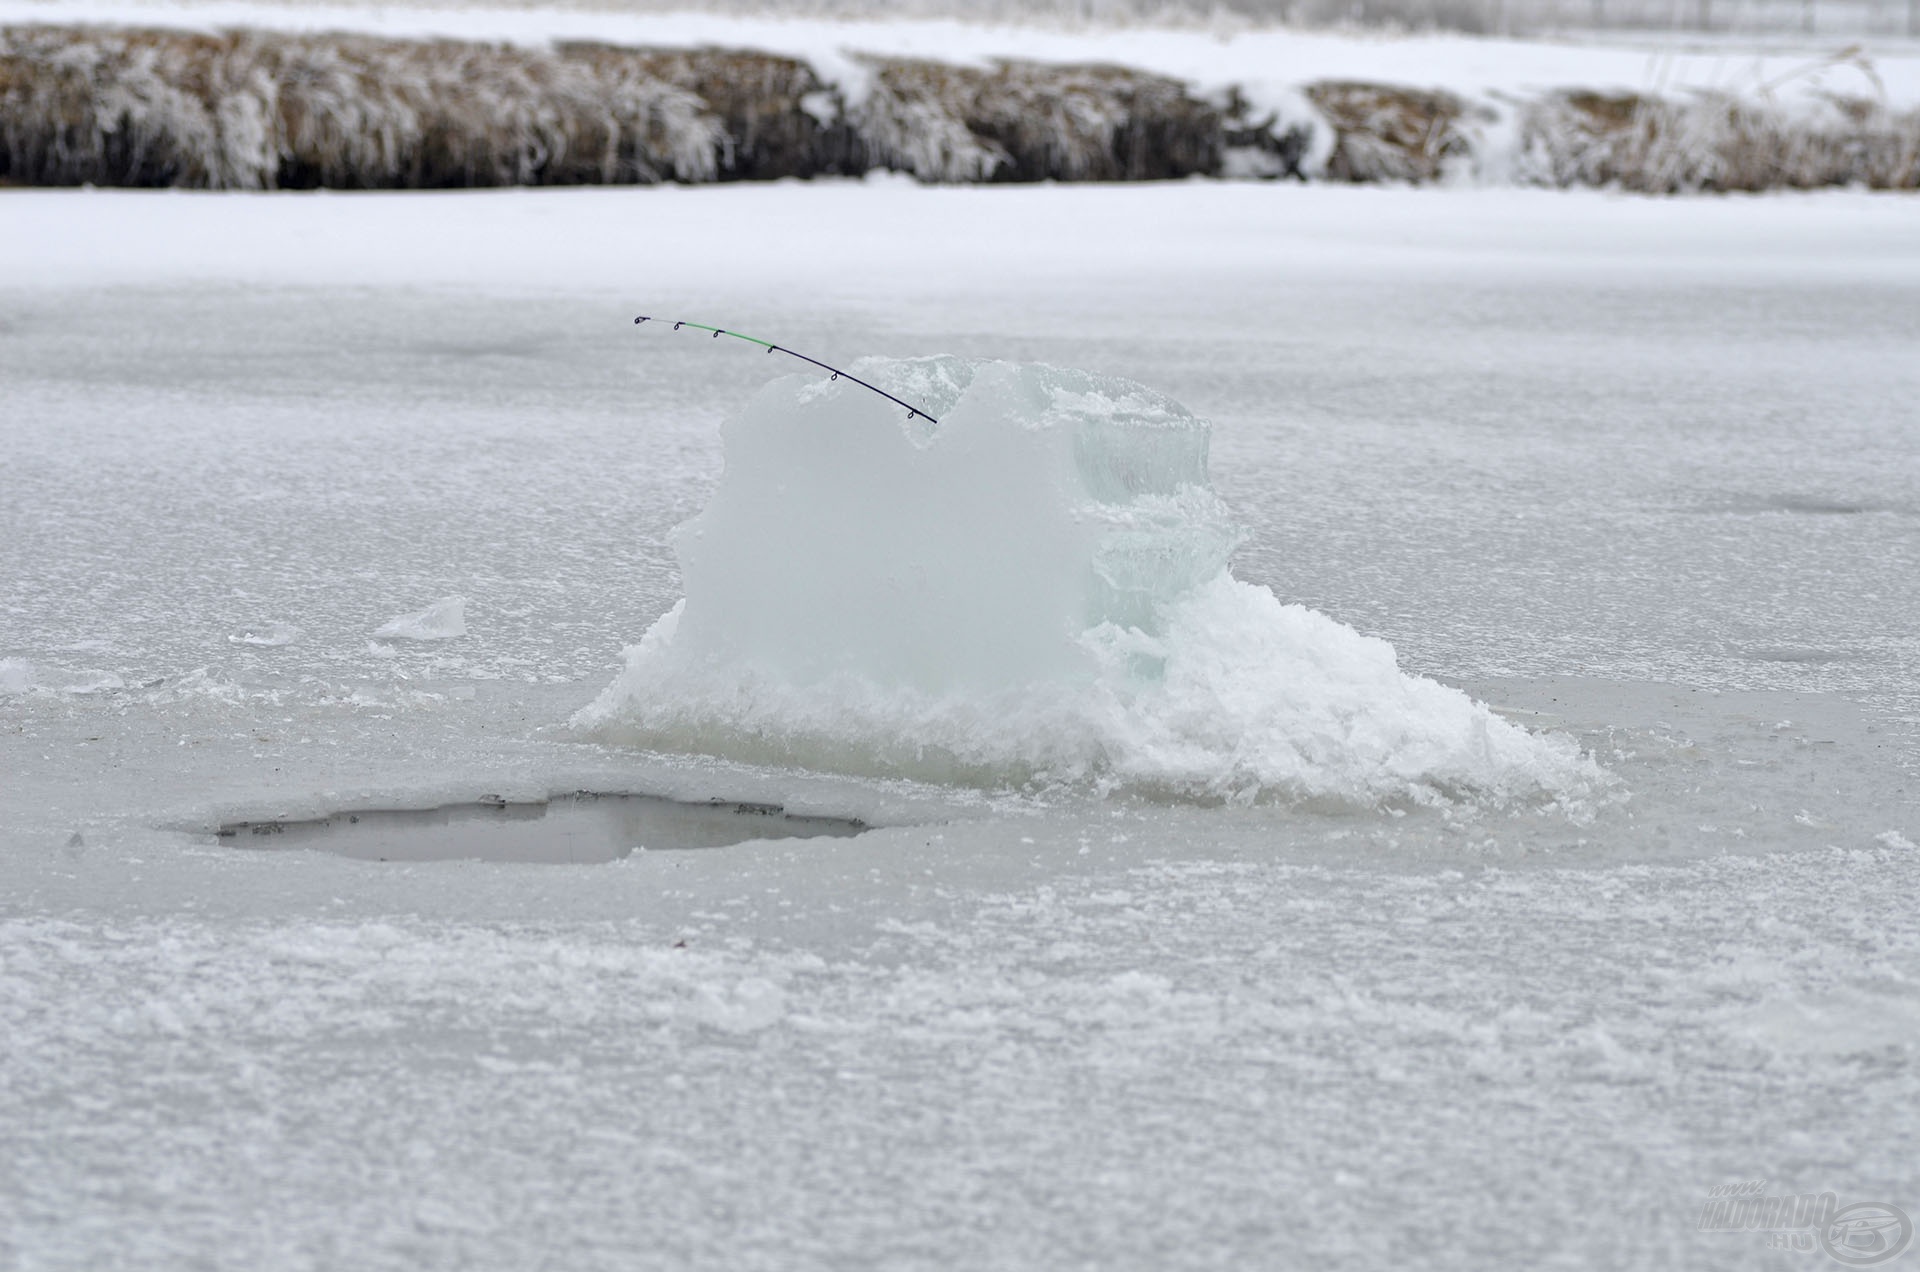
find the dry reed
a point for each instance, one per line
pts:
(255, 110)
(252, 111)
(1715, 142)
(1385, 133)
(1023, 121)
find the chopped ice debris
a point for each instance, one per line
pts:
(93, 681)
(1846, 1020)
(269, 636)
(1893, 839)
(442, 620)
(1034, 590)
(16, 675)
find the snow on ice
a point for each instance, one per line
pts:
(267, 635)
(442, 620)
(1577, 456)
(16, 675)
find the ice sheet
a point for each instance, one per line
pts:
(1558, 450)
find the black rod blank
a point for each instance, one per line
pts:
(834, 373)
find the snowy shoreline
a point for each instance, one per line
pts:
(275, 105)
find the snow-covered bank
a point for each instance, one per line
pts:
(277, 108)
(1260, 58)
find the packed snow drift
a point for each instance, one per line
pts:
(1034, 589)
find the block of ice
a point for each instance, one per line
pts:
(266, 636)
(1035, 589)
(94, 680)
(442, 620)
(16, 675)
(968, 557)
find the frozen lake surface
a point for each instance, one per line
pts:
(1643, 472)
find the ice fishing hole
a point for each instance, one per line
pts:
(582, 828)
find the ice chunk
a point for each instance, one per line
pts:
(846, 538)
(92, 681)
(266, 636)
(442, 620)
(16, 675)
(1035, 588)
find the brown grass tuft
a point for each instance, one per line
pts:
(1024, 121)
(1715, 142)
(1384, 133)
(779, 118)
(254, 111)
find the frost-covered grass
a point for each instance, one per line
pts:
(1023, 121)
(1671, 19)
(1706, 140)
(254, 110)
(257, 109)
(1717, 141)
(249, 111)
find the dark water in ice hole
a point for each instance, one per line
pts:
(582, 828)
